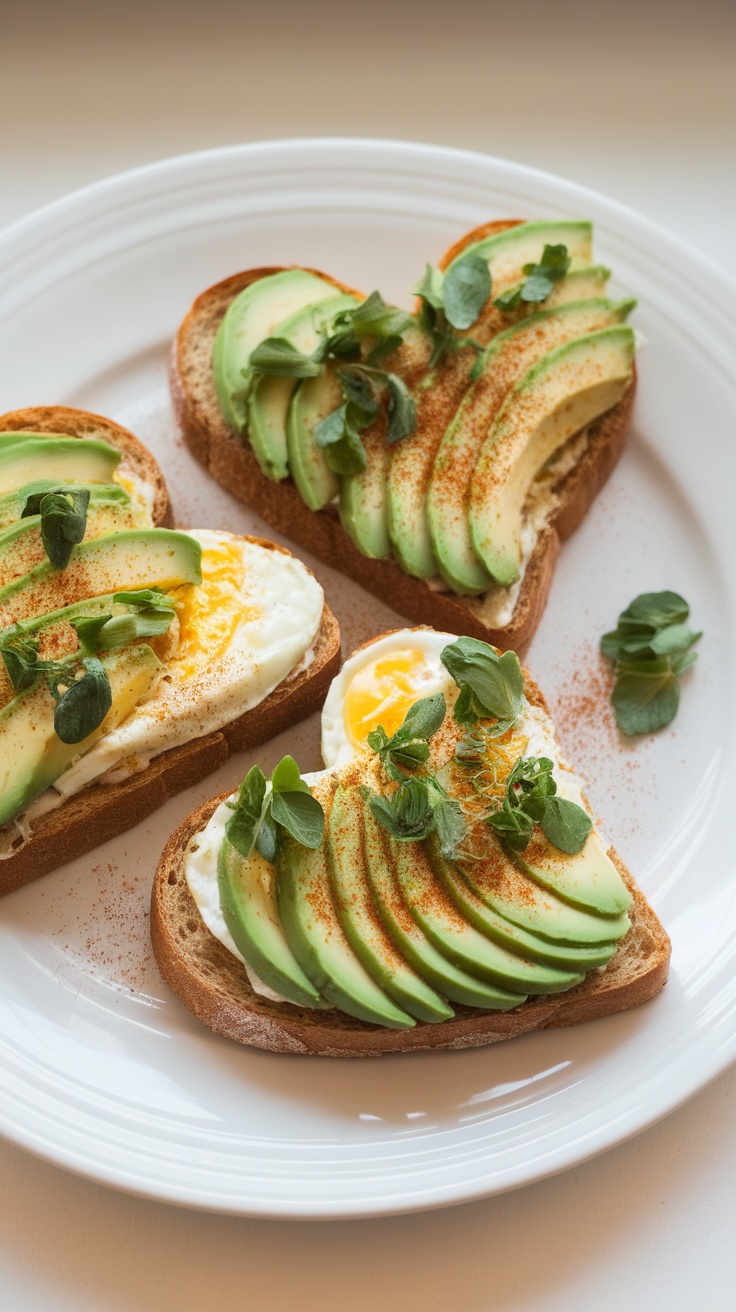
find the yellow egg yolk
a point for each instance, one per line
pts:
(382, 691)
(211, 612)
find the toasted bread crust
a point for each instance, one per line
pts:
(212, 983)
(64, 421)
(233, 464)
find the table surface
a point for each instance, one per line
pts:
(643, 109)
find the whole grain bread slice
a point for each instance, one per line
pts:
(214, 986)
(65, 421)
(101, 811)
(230, 460)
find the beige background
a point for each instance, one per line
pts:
(636, 99)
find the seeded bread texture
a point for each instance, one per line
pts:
(63, 421)
(212, 983)
(230, 460)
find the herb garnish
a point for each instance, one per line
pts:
(409, 746)
(63, 520)
(539, 280)
(491, 685)
(364, 385)
(453, 301)
(531, 800)
(420, 806)
(259, 815)
(83, 699)
(651, 648)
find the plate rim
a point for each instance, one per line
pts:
(101, 194)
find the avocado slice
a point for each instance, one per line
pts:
(13, 503)
(249, 320)
(565, 390)
(437, 399)
(316, 938)
(268, 400)
(563, 956)
(133, 558)
(456, 984)
(503, 886)
(313, 400)
(452, 933)
(248, 902)
(31, 755)
(509, 356)
(507, 252)
(358, 915)
(59, 459)
(21, 545)
(363, 512)
(577, 285)
(589, 879)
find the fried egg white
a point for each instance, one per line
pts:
(378, 684)
(238, 634)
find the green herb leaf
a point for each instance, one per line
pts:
(84, 705)
(539, 281)
(267, 838)
(407, 748)
(242, 828)
(409, 814)
(646, 696)
(402, 414)
(301, 815)
(430, 288)
(357, 389)
(257, 819)
(341, 442)
(63, 521)
(565, 824)
(374, 318)
(153, 614)
(651, 647)
(276, 357)
(20, 658)
(491, 685)
(465, 290)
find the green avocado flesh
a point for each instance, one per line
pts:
(313, 400)
(507, 252)
(252, 317)
(269, 399)
(510, 355)
(248, 902)
(22, 548)
(58, 459)
(565, 390)
(313, 931)
(588, 879)
(395, 933)
(363, 499)
(360, 920)
(32, 756)
(134, 558)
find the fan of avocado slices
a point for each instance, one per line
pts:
(442, 865)
(84, 584)
(439, 435)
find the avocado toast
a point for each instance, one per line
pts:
(396, 449)
(439, 885)
(134, 657)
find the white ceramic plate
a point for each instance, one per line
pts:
(101, 1069)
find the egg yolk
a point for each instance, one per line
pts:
(211, 612)
(382, 691)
